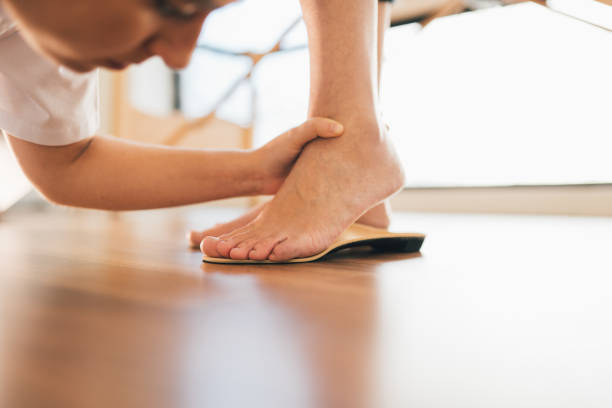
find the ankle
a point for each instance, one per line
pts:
(366, 126)
(353, 108)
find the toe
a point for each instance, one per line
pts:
(195, 238)
(225, 246)
(241, 251)
(209, 247)
(289, 249)
(261, 250)
(282, 252)
(227, 243)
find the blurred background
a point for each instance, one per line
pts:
(494, 106)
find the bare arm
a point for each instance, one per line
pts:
(114, 174)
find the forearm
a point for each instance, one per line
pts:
(343, 55)
(113, 174)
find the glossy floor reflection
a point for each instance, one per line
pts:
(99, 310)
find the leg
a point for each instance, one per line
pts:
(379, 216)
(333, 183)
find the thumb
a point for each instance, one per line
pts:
(321, 127)
(313, 128)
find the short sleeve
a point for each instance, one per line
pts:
(42, 102)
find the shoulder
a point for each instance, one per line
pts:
(43, 102)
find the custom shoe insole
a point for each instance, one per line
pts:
(355, 236)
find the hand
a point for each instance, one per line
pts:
(278, 156)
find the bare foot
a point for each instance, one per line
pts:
(329, 188)
(378, 217)
(195, 237)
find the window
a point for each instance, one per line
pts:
(507, 96)
(518, 95)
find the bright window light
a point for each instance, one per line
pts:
(516, 95)
(591, 11)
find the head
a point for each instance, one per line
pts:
(85, 34)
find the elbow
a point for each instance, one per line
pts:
(51, 191)
(56, 199)
(49, 182)
(51, 170)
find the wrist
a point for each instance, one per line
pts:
(255, 173)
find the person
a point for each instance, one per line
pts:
(47, 110)
(50, 114)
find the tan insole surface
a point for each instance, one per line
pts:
(355, 236)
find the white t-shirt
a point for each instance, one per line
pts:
(40, 101)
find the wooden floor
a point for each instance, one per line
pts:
(102, 311)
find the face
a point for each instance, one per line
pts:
(86, 34)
